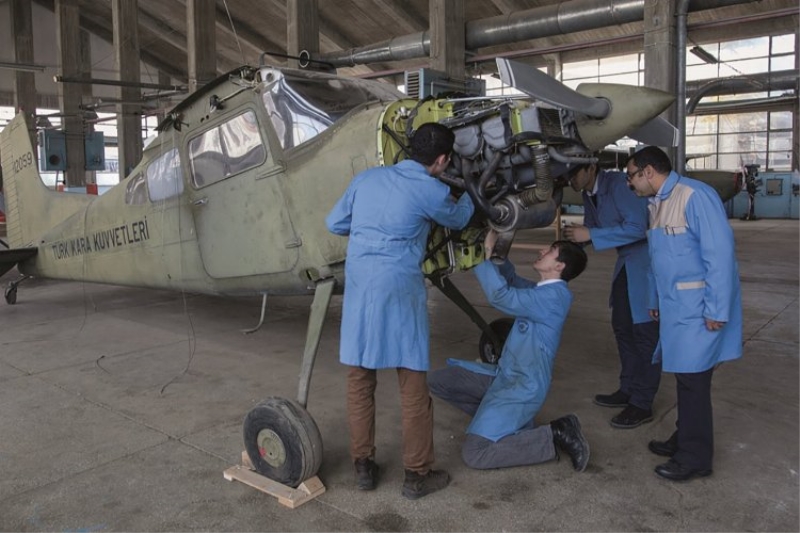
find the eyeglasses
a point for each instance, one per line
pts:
(638, 171)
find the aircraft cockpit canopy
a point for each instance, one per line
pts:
(303, 104)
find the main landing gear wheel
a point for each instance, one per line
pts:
(488, 351)
(283, 441)
(11, 294)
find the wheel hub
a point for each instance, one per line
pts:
(271, 448)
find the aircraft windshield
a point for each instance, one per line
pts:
(304, 104)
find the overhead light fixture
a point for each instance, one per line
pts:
(704, 55)
(22, 66)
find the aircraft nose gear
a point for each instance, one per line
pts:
(11, 290)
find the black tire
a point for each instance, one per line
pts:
(488, 351)
(11, 295)
(282, 441)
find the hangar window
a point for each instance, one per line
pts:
(749, 127)
(231, 148)
(136, 190)
(626, 69)
(164, 176)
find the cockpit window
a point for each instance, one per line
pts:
(164, 176)
(303, 105)
(230, 148)
(136, 190)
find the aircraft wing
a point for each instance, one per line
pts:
(10, 258)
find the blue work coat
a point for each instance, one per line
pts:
(620, 221)
(387, 212)
(525, 368)
(696, 276)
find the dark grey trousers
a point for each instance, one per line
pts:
(639, 377)
(464, 389)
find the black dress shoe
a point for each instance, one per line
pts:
(665, 448)
(615, 399)
(674, 471)
(567, 435)
(366, 473)
(631, 417)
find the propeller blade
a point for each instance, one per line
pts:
(540, 86)
(656, 132)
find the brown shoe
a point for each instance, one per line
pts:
(366, 474)
(417, 485)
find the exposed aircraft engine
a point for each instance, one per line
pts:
(504, 163)
(513, 159)
(508, 156)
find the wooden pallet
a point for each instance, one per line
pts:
(292, 498)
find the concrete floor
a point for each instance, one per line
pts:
(122, 407)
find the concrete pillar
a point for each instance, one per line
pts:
(796, 108)
(25, 82)
(447, 34)
(201, 42)
(124, 15)
(302, 29)
(68, 31)
(87, 94)
(85, 66)
(660, 53)
(555, 66)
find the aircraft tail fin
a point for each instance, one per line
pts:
(31, 208)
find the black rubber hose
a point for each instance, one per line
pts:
(475, 192)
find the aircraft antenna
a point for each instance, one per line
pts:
(233, 29)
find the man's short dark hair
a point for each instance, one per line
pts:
(653, 156)
(574, 258)
(430, 141)
(574, 169)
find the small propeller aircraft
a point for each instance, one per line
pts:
(230, 198)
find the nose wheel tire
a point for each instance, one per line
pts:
(282, 441)
(488, 351)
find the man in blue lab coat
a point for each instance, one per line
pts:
(387, 213)
(696, 298)
(614, 217)
(504, 398)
